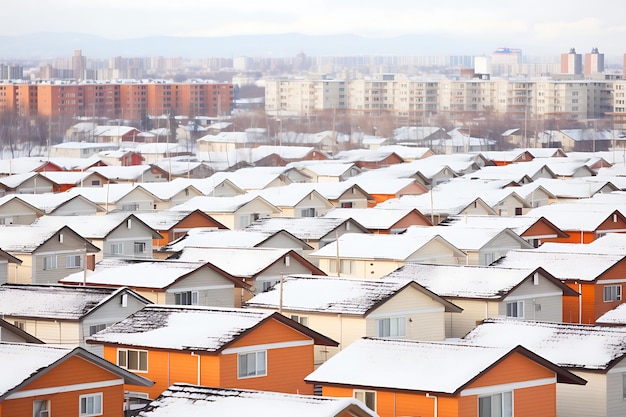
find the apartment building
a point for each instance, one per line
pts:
(131, 100)
(413, 98)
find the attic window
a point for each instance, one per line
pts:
(124, 300)
(287, 260)
(614, 218)
(60, 237)
(536, 278)
(129, 223)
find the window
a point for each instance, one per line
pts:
(612, 293)
(90, 404)
(244, 220)
(366, 397)
(133, 360)
(391, 327)
(73, 261)
(95, 328)
(20, 325)
(117, 248)
(139, 247)
(130, 207)
(300, 319)
(346, 204)
(308, 212)
(252, 364)
(41, 408)
(496, 405)
(515, 309)
(345, 265)
(50, 262)
(186, 298)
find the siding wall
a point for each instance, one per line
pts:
(459, 324)
(615, 401)
(14, 212)
(71, 245)
(583, 401)
(49, 331)
(213, 289)
(128, 236)
(541, 302)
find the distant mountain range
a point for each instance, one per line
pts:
(53, 45)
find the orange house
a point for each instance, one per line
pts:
(583, 223)
(219, 347)
(407, 378)
(43, 380)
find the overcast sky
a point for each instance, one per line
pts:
(522, 23)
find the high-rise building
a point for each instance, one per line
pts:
(594, 62)
(572, 63)
(79, 65)
(506, 62)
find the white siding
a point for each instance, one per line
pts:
(616, 403)
(582, 400)
(213, 289)
(474, 311)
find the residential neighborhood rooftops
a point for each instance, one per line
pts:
(306, 228)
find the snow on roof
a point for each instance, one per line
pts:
(373, 185)
(51, 301)
(66, 177)
(207, 185)
(563, 265)
(128, 173)
(464, 238)
(165, 190)
(19, 361)
(180, 167)
(217, 238)
(189, 400)
(518, 224)
(85, 145)
(20, 165)
(512, 171)
(371, 218)
(88, 226)
(290, 195)
(113, 130)
(615, 316)
(573, 216)
(374, 246)
(434, 201)
(239, 262)
(145, 274)
(427, 167)
(363, 155)
(570, 187)
(160, 148)
(161, 219)
(407, 365)
(101, 195)
(220, 204)
(15, 180)
(334, 190)
(182, 328)
(255, 178)
(579, 346)
(305, 228)
(287, 152)
(406, 152)
(474, 282)
(329, 168)
(24, 238)
(46, 202)
(326, 295)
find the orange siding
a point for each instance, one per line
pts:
(514, 368)
(75, 370)
(539, 228)
(574, 237)
(271, 331)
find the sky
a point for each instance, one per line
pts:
(528, 23)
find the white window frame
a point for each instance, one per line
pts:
(84, 405)
(303, 320)
(49, 262)
(505, 409)
(244, 220)
(391, 327)
(124, 354)
(139, 248)
(38, 411)
(346, 266)
(614, 293)
(307, 212)
(515, 309)
(70, 261)
(368, 398)
(117, 248)
(190, 296)
(260, 364)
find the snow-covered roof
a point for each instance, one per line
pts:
(18, 238)
(330, 295)
(571, 187)
(125, 173)
(568, 266)
(407, 365)
(615, 316)
(88, 226)
(573, 216)
(466, 238)
(214, 238)
(371, 218)
(373, 185)
(15, 180)
(305, 228)
(239, 262)
(46, 202)
(255, 178)
(21, 165)
(189, 400)
(51, 301)
(85, 145)
(166, 190)
(20, 361)
(435, 202)
(221, 204)
(472, 282)
(518, 224)
(290, 195)
(155, 274)
(406, 152)
(329, 168)
(363, 155)
(573, 346)
(375, 246)
(66, 177)
(101, 195)
(207, 329)
(162, 219)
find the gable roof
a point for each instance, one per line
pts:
(17, 238)
(472, 282)
(334, 295)
(92, 227)
(590, 347)
(404, 365)
(223, 204)
(192, 400)
(23, 363)
(375, 218)
(306, 228)
(60, 302)
(467, 238)
(167, 219)
(519, 224)
(205, 329)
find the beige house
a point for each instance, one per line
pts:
(297, 200)
(233, 212)
(15, 210)
(47, 254)
(347, 309)
(27, 183)
(490, 292)
(373, 256)
(123, 197)
(170, 194)
(67, 315)
(344, 194)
